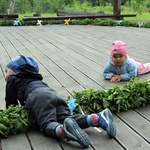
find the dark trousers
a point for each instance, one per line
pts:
(50, 110)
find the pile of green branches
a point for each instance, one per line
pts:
(15, 119)
(133, 94)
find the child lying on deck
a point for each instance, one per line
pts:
(122, 67)
(52, 114)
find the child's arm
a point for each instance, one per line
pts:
(107, 73)
(131, 72)
(11, 96)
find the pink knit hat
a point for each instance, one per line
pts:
(118, 47)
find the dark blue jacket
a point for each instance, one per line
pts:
(21, 83)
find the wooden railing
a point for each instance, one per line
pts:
(117, 17)
(8, 17)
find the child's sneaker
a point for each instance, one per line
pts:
(73, 132)
(106, 122)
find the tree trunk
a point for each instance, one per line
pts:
(116, 8)
(12, 6)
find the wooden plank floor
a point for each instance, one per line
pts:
(72, 58)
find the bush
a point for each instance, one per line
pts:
(87, 21)
(129, 24)
(146, 25)
(108, 22)
(6, 23)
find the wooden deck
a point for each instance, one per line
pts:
(72, 58)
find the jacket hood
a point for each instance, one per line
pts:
(28, 71)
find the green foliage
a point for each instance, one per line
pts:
(137, 5)
(43, 6)
(55, 22)
(81, 22)
(87, 7)
(6, 23)
(133, 94)
(146, 25)
(4, 6)
(25, 23)
(14, 120)
(129, 24)
(22, 6)
(54, 5)
(107, 22)
(147, 4)
(44, 22)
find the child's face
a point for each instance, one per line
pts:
(8, 73)
(118, 59)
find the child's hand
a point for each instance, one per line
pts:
(115, 78)
(118, 78)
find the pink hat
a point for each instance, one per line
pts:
(118, 47)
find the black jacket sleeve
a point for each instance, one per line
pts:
(11, 93)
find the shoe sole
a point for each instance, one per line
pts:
(77, 133)
(111, 130)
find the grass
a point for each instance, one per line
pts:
(143, 16)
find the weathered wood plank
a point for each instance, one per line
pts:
(100, 140)
(128, 138)
(16, 142)
(144, 111)
(40, 142)
(138, 124)
(2, 72)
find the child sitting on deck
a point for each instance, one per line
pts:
(52, 114)
(122, 67)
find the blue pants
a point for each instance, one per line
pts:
(50, 110)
